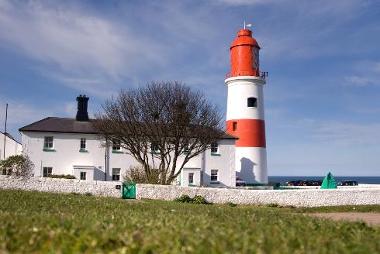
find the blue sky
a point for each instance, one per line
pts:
(323, 58)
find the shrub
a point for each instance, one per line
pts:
(231, 204)
(17, 165)
(273, 205)
(138, 175)
(197, 199)
(184, 199)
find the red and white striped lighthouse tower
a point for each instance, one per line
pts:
(245, 109)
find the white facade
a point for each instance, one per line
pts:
(66, 157)
(250, 162)
(12, 147)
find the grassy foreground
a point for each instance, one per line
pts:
(32, 222)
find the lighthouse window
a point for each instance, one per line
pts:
(234, 126)
(252, 102)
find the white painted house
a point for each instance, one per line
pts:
(72, 146)
(9, 146)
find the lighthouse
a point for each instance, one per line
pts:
(245, 109)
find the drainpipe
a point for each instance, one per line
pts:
(203, 166)
(106, 160)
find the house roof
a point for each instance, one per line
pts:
(10, 136)
(71, 125)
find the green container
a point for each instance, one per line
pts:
(128, 191)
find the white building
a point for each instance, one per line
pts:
(11, 147)
(71, 146)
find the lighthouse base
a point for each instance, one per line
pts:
(251, 165)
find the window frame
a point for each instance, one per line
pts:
(47, 171)
(152, 148)
(234, 126)
(118, 175)
(214, 174)
(192, 178)
(83, 173)
(212, 148)
(48, 145)
(116, 146)
(249, 102)
(83, 141)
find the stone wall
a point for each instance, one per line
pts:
(99, 188)
(297, 197)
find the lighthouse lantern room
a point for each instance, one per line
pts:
(245, 109)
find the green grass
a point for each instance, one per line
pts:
(32, 222)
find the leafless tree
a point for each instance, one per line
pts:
(162, 125)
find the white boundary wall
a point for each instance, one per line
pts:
(99, 188)
(295, 197)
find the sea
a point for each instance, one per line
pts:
(359, 179)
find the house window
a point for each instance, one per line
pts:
(214, 148)
(116, 145)
(191, 178)
(116, 174)
(83, 175)
(82, 144)
(48, 142)
(47, 171)
(214, 175)
(154, 148)
(186, 148)
(252, 102)
(234, 126)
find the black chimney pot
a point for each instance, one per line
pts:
(82, 114)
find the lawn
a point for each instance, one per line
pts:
(33, 222)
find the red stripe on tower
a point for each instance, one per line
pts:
(251, 132)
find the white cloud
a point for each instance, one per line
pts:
(358, 81)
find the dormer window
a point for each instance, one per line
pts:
(252, 102)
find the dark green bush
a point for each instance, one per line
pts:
(231, 204)
(184, 199)
(197, 199)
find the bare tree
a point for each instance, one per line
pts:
(162, 125)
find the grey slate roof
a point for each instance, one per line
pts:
(70, 125)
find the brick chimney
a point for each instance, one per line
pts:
(82, 114)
